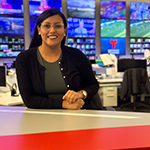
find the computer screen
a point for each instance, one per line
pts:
(124, 64)
(2, 75)
(11, 7)
(113, 28)
(81, 8)
(36, 7)
(113, 9)
(78, 27)
(116, 46)
(139, 11)
(11, 46)
(12, 26)
(139, 28)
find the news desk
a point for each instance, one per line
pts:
(39, 129)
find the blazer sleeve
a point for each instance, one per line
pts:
(91, 85)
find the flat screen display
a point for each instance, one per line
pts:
(139, 28)
(11, 7)
(81, 8)
(2, 75)
(113, 28)
(139, 11)
(10, 47)
(78, 27)
(36, 7)
(115, 46)
(113, 9)
(12, 26)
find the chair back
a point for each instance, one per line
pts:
(97, 102)
(135, 81)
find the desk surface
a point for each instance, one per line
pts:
(110, 80)
(21, 128)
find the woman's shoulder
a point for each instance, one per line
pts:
(29, 53)
(73, 51)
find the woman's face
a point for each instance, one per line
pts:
(52, 31)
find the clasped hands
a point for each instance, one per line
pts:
(73, 100)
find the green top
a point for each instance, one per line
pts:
(54, 83)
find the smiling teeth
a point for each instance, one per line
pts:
(52, 37)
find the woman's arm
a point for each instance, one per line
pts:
(31, 98)
(89, 81)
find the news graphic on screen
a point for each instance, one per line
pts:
(11, 7)
(116, 46)
(113, 28)
(81, 9)
(139, 28)
(12, 26)
(79, 27)
(139, 11)
(113, 9)
(36, 7)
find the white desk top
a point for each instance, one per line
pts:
(110, 80)
(20, 120)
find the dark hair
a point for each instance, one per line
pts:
(36, 39)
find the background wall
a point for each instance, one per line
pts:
(64, 10)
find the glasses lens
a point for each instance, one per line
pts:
(56, 26)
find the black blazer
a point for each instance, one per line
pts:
(135, 81)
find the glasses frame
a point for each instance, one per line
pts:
(54, 26)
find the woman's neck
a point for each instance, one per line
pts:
(50, 54)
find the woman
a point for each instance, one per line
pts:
(51, 75)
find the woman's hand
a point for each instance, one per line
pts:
(71, 96)
(78, 104)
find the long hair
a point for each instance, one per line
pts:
(36, 39)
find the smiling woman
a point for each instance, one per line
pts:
(51, 75)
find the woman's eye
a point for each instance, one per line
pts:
(47, 26)
(57, 26)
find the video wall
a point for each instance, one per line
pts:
(113, 27)
(36, 7)
(11, 28)
(82, 26)
(139, 27)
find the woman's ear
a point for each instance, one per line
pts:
(38, 28)
(65, 31)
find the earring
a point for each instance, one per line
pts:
(64, 34)
(39, 33)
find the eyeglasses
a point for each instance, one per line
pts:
(47, 26)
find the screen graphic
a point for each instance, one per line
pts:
(113, 9)
(115, 46)
(11, 7)
(78, 27)
(139, 28)
(81, 9)
(139, 11)
(36, 7)
(113, 28)
(12, 26)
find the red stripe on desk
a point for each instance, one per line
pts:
(136, 137)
